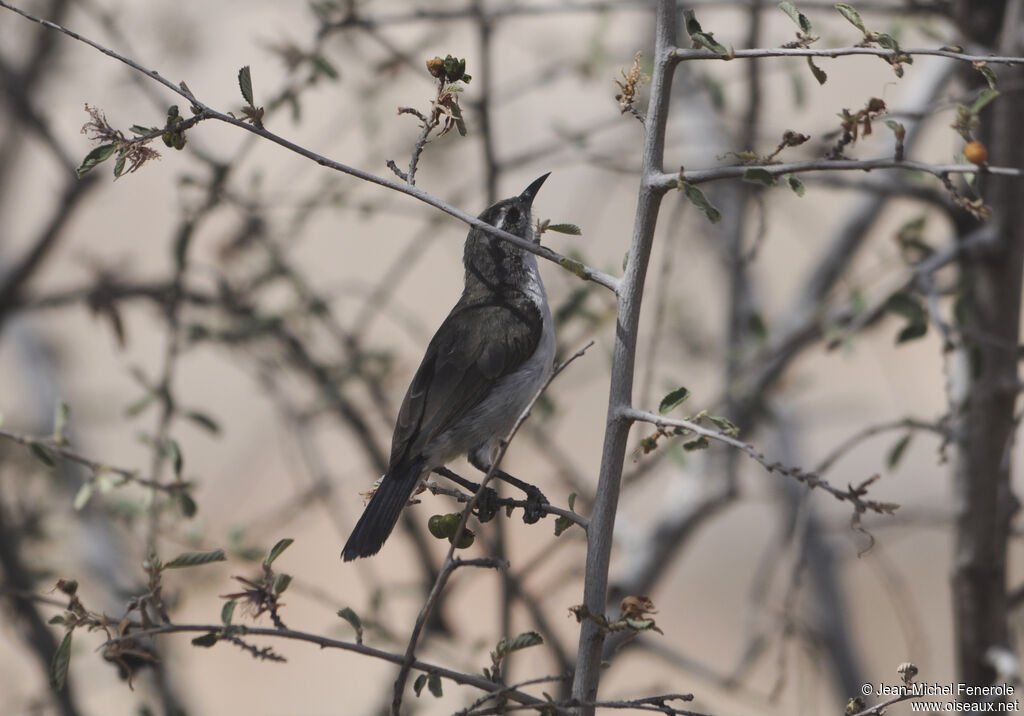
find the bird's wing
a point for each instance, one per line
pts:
(477, 344)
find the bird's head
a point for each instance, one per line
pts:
(513, 214)
(493, 264)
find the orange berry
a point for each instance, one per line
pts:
(976, 152)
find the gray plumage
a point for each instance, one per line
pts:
(482, 367)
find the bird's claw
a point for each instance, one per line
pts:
(487, 504)
(533, 508)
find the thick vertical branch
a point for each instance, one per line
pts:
(984, 501)
(630, 294)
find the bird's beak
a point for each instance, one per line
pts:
(531, 191)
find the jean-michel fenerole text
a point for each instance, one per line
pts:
(959, 690)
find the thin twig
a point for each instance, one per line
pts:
(682, 55)
(811, 479)
(95, 465)
(736, 171)
(328, 643)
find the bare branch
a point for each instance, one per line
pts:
(852, 495)
(96, 466)
(736, 171)
(682, 55)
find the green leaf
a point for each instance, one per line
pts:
(912, 331)
(323, 9)
(796, 16)
(897, 128)
(887, 41)
(119, 163)
(564, 523)
(707, 39)
(187, 504)
(83, 495)
(673, 399)
(43, 454)
(692, 26)
(281, 583)
(983, 98)
(795, 184)
(987, 72)
(417, 686)
(701, 38)
(434, 684)
(59, 664)
(139, 405)
(697, 198)
(322, 67)
(296, 107)
(245, 85)
(194, 559)
(905, 305)
(724, 424)
(97, 156)
(227, 611)
(757, 175)
(206, 640)
(277, 549)
(460, 123)
(349, 615)
(173, 451)
(851, 15)
(204, 421)
(819, 74)
(897, 450)
(797, 84)
(60, 422)
(700, 443)
(182, 242)
(565, 229)
(573, 266)
(57, 619)
(522, 641)
(140, 130)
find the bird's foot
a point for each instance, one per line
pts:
(487, 505)
(533, 509)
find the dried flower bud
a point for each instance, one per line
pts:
(907, 671)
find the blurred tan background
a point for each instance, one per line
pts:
(553, 109)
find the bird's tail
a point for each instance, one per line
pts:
(381, 514)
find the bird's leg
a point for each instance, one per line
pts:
(488, 504)
(533, 510)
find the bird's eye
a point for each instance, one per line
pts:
(512, 216)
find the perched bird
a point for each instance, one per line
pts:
(482, 367)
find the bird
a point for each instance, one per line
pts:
(484, 365)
